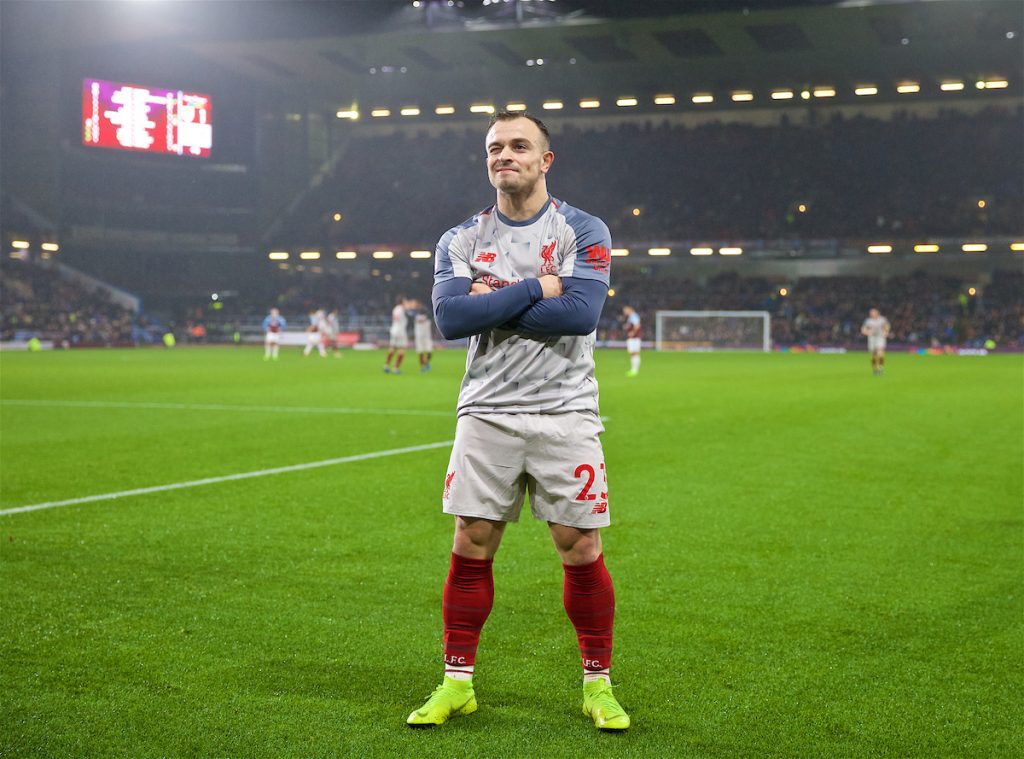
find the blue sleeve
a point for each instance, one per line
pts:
(284, 322)
(266, 323)
(459, 314)
(575, 312)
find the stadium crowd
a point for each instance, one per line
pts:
(841, 177)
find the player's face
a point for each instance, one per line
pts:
(517, 157)
(873, 313)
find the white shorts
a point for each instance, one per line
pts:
(557, 458)
(273, 338)
(876, 344)
(399, 339)
(632, 344)
(424, 341)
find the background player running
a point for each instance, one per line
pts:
(876, 329)
(526, 280)
(423, 335)
(273, 326)
(398, 339)
(631, 323)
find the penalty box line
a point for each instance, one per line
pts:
(226, 478)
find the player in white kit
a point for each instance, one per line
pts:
(876, 329)
(631, 322)
(314, 335)
(273, 326)
(525, 280)
(423, 335)
(398, 339)
(329, 332)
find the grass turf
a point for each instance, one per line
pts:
(808, 561)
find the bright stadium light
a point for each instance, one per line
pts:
(742, 96)
(951, 86)
(702, 97)
(590, 103)
(611, 292)
(926, 248)
(1019, 246)
(481, 108)
(412, 111)
(620, 251)
(310, 255)
(626, 102)
(420, 254)
(379, 113)
(805, 94)
(782, 95)
(824, 92)
(992, 84)
(730, 251)
(974, 247)
(350, 114)
(514, 107)
(345, 255)
(664, 99)
(50, 246)
(879, 248)
(866, 89)
(908, 88)
(19, 244)
(701, 251)
(659, 252)
(278, 255)
(444, 110)
(552, 105)
(381, 254)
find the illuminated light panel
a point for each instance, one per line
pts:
(50, 246)
(412, 111)
(20, 244)
(805, 94)
(513, 107)
(908, 88)
(353, 114)
(867, 89)
(381, 254)
(701, 251)
(974, 247)
(345, 255)
(337, 217)
(926, 248)
(625, 251)
(664, 99)
(972, 290)
(444, 110)
(552, 105)
(379, 113)
(824, 92)
(481, 108)
(730, 251)
(782, 95)
(1017, 246)
(278, 255)
(879, 248)
(611, 292)
(742, 97)
(626, 102)
(951, 86)
(420, 254)
(659, 252)
(993, 84)
(310, 255)
(783, 292)
(702, 97)
(590, 103)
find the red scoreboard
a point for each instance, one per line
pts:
(153, 120)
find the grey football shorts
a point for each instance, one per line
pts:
(557, 458)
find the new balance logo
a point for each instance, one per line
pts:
(486, 258)
(448, 485)
(601, 508)
(599, 257)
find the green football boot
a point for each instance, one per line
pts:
(449, 699)
(600, 704)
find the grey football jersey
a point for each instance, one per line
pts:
(509, 371)
(876, 327)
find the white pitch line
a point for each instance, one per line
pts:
(226, 478)
(227, 407)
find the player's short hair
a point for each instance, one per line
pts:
(512, 115)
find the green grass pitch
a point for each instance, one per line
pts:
(809, 561)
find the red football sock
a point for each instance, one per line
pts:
(590, 603)
(468, 597)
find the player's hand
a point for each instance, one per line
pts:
(479, 288)
(550, 285)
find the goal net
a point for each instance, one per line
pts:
(712, 331)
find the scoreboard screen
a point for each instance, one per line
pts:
(149, 119)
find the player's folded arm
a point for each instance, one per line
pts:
(575, 312)
(458, 314)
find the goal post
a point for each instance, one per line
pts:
(713, 331)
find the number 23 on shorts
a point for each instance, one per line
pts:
(587, 475)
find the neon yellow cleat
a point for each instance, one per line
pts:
(600, 703)
(449, 699)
